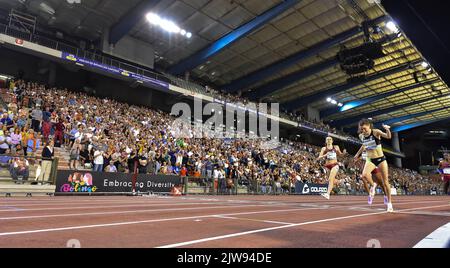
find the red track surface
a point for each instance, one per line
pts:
(218, 222)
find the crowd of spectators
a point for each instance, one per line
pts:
(298, 117)
(111, 136)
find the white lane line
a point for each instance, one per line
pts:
(428, 213)
(106, 207)
(281, 227)
(396, 203)
(145, 221)
(320, 201)
(123, 212)
(16, 210)
(89, 203)
(141, 201)
(33, 201)
(279, 222)
(245, 219)
(437, 239)
(225, 217)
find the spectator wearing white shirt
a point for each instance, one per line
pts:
(98, 160)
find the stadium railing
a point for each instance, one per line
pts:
(209, 186)
(78, 52)
(34, 169)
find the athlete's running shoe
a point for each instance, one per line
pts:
(372, 193)
(326, 196)
(390, 209)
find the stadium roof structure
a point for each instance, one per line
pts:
(282, 51)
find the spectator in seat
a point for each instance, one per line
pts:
(111, 168)
(6, 121)
(5, 160)
(12, 106)
(21, 122)
(16, 139)
(5, 142)
(20, 167)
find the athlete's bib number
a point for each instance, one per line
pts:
(331, 155)
(447, 171)
(370, 145)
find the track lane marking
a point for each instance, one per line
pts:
(282, 227)
(146, 221)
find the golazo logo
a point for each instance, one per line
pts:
(313, 189)
(305, 189)
(79, 183)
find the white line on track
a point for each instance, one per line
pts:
(16, 210)
(200, 217)
(282, 227)
(437, 239)
(235, 218)
(145, 221)
(11, 208)
(71, 200)
(429, 213)
(93, 202)
(126, 212)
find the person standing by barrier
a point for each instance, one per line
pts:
(47, 160)
(98, 160)
(183, 171)
(75, 154)
(216, 176)
(232, 178)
